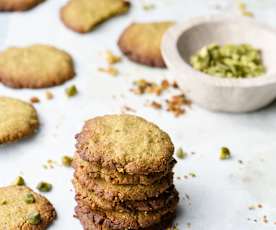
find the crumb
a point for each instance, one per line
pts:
(111, 58)
(192, 174)
(251, 207)
(265, 220)
(148, 7)
(176, 103)
(143, 86)
(181, 154)
(34, 100)
(240, 162)
(112, 71)
(126, 109)
(259, 205)
(67, 161)
(49, 95)
(156, 105)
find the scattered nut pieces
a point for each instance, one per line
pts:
(155, 105)
(34, 218)
(225, 153)
(50, 164)
(143, 86)
(111, 70)
(71, 91)
(67, 161)
(29, 198)
(176, 104)
(126, 109)
(34, 100)
(111, 58)
(192, 174)
(181, 154)
(44, 187)
(49, 95)
(19, 181)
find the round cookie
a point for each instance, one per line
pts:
(36, 66)
(83, 15)
(18, 5)
(94, 171)
(16, 212)
(141, 42)
(149, 205)
(103, 219)
(18, 119)
(126, 143)
(115, 193)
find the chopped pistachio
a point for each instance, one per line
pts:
(44, 187)
(67, 161)
(19, 181)
(229, 61)
(34, 218)
(3, 202)
(29, 198)
(71, 91)
(147, 7)
(181, 154)
(192, 174)
(225, 153)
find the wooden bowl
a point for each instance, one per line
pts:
(215, 93)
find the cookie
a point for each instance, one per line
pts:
(36, 66)
(124, 192)
(94, 171)
(116, 220)
(19, 206)
(141, 42)
(149, 205)
(18, 5)
(84, 15)
(126, 143)
(18, 119)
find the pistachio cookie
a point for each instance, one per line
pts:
(36, 66)
(18, 119)
(125, 192)
(127, 143)
(141, 42)
(94, 171)
(148, 205)
(18, 5)
(120, 220)
(83, 15)
(21, 208)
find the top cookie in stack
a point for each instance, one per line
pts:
(123, 174)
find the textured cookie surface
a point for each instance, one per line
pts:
(141, 42)
(18, 5)
(36, 66)
(148, 205)
(120, 220)
(18, 119)
(114, 177)
(83, 15)
(127, 143)
(15, 212)
(124, 192)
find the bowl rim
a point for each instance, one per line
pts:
(173, 60)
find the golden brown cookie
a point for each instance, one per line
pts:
(18, 5)
(95, 171)
(21, 208)
(18, 119)
(83, 15)
(124, 192)
(122, 220)
(36, 66)
(148, 205)
(126, 143)
(141, 42)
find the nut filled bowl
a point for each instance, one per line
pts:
(182, 41)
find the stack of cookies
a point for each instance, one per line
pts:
(123, 174)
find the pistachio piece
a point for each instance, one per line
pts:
(71, 91)
(19, 181)
(181, 154)
(225, 153)
(67, 161)
(34, 218)
(29, 198)
(44, 187)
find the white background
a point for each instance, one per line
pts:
(221, 192)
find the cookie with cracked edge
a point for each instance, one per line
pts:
(36, 66)
(18, 119)
(15, 212)
(84, 15)
(148, 205)
(124, 192)
(141, 42)
(126, 143)
(102, 219)
(18, 5)
(94, 171)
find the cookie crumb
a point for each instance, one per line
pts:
(44, 187)
(71, 91)
(67, 161)
(155, 105)
(111, 70)
(34, 100)
(49, 95)
(176, 104)
(111, 58)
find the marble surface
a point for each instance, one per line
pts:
(221, 192)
